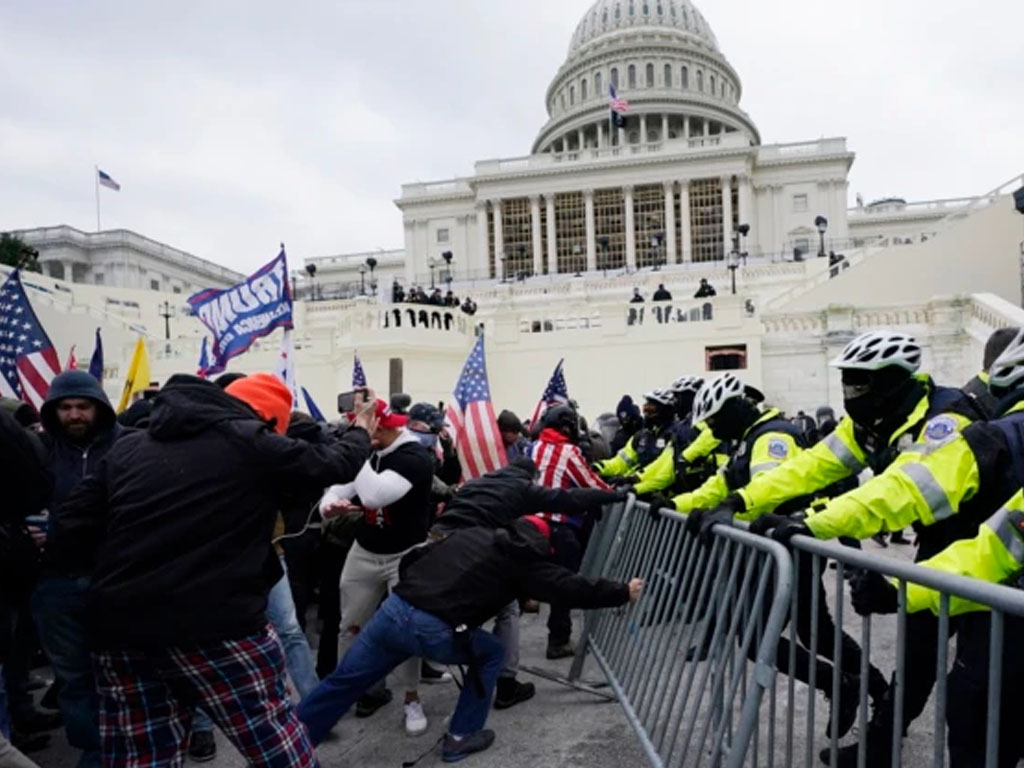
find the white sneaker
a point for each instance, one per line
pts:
(415, 720)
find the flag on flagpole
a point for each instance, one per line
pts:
(204, 360)
(315, 412)
(556, 393)
(618, 106)
(28, 360)
(108, 182)
(138, 375)
(96, 361)
(72, 363)
(358, 375)
(471, 414)
(285, 368)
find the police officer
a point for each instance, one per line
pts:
(691, 457)
(646, 445)
(894, 417)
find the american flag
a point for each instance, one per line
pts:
(72, 363)
(472, 416)
(555, 394)
(619, 106)
(107, 181)
(28, 361)
(358, 375)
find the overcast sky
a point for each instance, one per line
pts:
(232, 126)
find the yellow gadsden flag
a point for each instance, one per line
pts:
(138, 375)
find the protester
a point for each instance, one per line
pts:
(393, 491)
(448, 588)
(512, 435)
(177, 617)
(705, 290)
(661, 294)
(80, 430)
(637, 297)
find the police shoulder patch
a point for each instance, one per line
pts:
(777, 448)
(939, 428)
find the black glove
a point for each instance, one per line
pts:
(700, 521)
(656, 503)
(873, 593)
(764, 523)
(626, 482)
(789, 528)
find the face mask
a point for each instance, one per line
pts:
(426, 439)
(733, 419)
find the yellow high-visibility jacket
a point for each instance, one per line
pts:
(759, 451)
(661, 473)
(939, 413)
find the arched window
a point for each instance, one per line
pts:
(618, 13)
(572, 95)
(684, 77)
(598, 90)
(562, 97)
(700, 81)
(647, 10)
(631, 76)
(583, 89)
(711, 80)
(723, 89)
(650, 76)
(614, 77)
(668, 75)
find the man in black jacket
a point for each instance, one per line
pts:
(496, 500)
(447, 589)
(80, 428)
(176, 523)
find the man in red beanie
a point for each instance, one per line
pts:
(176, 523)
(393, 491)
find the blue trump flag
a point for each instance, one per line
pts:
(315, 412)
(239, 315)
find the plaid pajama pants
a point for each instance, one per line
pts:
(148, 699)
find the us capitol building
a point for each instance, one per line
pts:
(552, 244)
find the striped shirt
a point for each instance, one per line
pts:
(560, 464)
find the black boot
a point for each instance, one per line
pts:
(369, 703)
(511, 692)
(849, 699)
(878, 746)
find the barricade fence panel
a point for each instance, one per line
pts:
(742, 652)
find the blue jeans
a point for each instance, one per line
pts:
(281, 613)
(58, 606)
(396, 632)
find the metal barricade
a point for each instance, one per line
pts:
(725, 656)
(691, 660)
(920, 661)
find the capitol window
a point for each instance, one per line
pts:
(443, 235)
(650, 75)
(631, 76)
(799, 203)
(700, 81)
(615, 77)
(668, 75)
(684, 78)
(711, 81)
(647, 10)
(572, 95)
(597, 84)
(583, 89)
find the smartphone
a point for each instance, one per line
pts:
(347, 400)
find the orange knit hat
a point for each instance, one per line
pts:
(267, 395)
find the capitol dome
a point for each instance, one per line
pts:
(663, 59)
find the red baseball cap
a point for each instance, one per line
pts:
(388, 418)
(540, 524)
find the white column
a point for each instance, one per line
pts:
(482, 243)
(686, 126)
(552, 233)
(777, 228)
(580, 138)
(69, 271)
(684, 218)
(707, 127)
(727, 214)
(670, 222)
(643, 129)
(627, 193)
(664, 127)
(588, 201)
(747, 214)
(600, 136)
(464, 255)
(622, 137)
(499, 240)
(535, 237)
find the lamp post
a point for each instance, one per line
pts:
(822, 224)
(733, 265)
(604, 255)
(433, 265)
(577, 249)
(311, 271)
(166, 315)
(372, 264)
(656, 241)
(447, 256)
(504, 267)
(744, 230)
(362, 279)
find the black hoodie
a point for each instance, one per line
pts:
(472, 573)
(179, 518)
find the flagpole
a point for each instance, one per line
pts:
(96, 179)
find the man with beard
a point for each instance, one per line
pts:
(80, 428)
